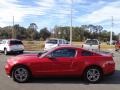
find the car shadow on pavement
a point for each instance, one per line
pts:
(113, 79)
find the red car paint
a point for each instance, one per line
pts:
(42, 66)
(117, 45)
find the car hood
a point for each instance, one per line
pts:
(27, 55)
(23, 58)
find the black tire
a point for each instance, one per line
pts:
(20, 74)
(5, 51)
(93, 74)
(21, 52)
(116, 49)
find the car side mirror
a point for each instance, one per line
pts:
(39, 54)
(50, 56)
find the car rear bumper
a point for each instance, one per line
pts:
(109, 69)
(13, 51)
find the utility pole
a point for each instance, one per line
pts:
(13, 34)
(71, 12)
(119, 36)
(111, 32)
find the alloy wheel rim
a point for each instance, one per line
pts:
(21, 74)
(93, 75)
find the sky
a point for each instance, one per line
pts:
(49, 13)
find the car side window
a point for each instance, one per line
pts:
(86, 53)
(64, 53)
(60, 41)
(64, 42)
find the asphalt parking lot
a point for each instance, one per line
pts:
(109, 83)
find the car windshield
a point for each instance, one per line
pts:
(51, 41)
(41, 53)
(92, 42)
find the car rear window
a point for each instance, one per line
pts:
(86, 53)
(51, 41)
(15, 42)
(92, 42)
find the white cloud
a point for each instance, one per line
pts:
(59, 10)
(103, 16)
(74, 1)
(10, 8)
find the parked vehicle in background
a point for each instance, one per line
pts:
(113, 42)
(91, 44)
(54, 42)
(117, 45)
(63, 61)
(11, 45)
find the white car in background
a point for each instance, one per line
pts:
(53, 42)
(11, 45)
(91, 44)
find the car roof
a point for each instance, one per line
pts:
(55, 39)
(10, 39)
(72, 47)
(92, 39)
(68, 46)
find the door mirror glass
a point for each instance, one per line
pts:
(50, 56)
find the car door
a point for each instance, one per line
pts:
(58, 62)
(63, 59)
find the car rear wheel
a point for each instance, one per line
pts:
(20, 74)
(116, 49)
(93, 75)
(21, 52)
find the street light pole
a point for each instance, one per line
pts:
(13, 29)
(71, 23)
(111, 32)
(119, 36)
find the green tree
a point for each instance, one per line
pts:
(32, 31)
(44, 34)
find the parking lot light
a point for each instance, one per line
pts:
(71, 12)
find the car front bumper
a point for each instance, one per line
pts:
(8, 69)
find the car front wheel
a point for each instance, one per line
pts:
(20, 74)
(93, 75)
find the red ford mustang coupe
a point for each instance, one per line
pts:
(61, 62)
